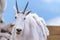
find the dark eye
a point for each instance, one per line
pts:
(15, 17)
(24, 18)
(1, 21)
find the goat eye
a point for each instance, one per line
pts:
(1, 21)
(15, 17)
(24, 18)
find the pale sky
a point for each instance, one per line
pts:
(48, 9)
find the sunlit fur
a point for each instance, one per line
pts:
(7, 29)
(3, 38)
(41, 22)
(33, 27)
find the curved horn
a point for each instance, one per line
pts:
(25, 7)
(17, 7)
(28, 12)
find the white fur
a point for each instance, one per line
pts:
(3, 38)
(6, 28)
(40, 21)
(27, 33)
(30, 28)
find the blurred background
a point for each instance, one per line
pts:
(47, 9)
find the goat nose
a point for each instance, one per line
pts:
(18, 30)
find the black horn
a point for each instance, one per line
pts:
(25, 7)
(17, 7)
(28, 12)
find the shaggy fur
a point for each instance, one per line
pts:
(32, 29)
(5, 30)
(40, 21)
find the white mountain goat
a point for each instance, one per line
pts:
(28, 27)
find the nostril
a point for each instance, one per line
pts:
(18, 30)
